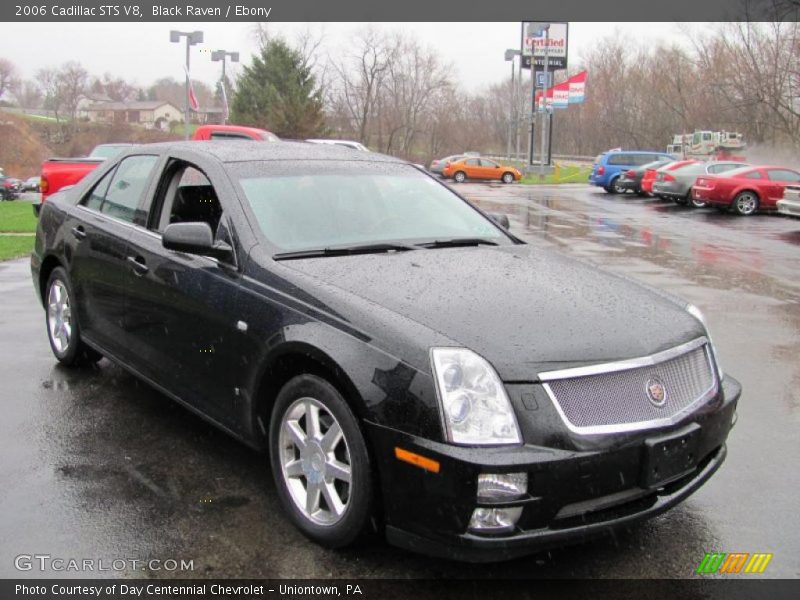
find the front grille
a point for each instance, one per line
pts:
(614, 397)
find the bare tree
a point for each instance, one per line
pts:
(27, 94)
(360, 77)
(72, 80)
(8, 75)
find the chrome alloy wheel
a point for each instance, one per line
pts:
(315, 461)
(59, 316)
(746, 203)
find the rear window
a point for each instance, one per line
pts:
(691, 168)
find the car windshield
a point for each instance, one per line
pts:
(346, 203)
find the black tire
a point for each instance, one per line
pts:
(746, 203)
(507, 178)
(459, 177)
(617, 189)
(355, 518)
(696, 203)
(68, 348)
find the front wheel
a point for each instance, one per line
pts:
(460, 177)
(63, 329)
(508, 178)
(745, 203)
(617, 187)
(320, 462)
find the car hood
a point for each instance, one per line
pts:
(524, 309)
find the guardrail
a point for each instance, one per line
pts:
(573, 158)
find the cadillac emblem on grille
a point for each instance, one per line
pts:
(656, 392)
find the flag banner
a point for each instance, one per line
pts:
(561, 95)
(193, 103)
(577, 88)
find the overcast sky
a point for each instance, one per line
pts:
(142, 52)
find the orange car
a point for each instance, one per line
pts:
(480, 168)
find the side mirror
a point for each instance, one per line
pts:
(195, 238)
(500, 219)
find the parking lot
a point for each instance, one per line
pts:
(99, 465)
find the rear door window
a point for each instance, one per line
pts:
(619, 159)
(120, 192)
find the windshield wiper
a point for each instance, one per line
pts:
(343, 251)
(455, 242)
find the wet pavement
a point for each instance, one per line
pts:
(97, 465)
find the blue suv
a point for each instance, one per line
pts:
(608, 167)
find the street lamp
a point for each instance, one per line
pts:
(221, 55)
(192, 38)
(509, 56)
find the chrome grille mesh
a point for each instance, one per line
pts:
(611, 401)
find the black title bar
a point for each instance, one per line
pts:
(407, 10)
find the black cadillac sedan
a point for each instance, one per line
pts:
(407, 364)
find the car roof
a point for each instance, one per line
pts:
(230, 151)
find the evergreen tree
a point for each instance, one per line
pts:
(278, 92)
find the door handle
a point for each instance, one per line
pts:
(137, 262)
(79, 233)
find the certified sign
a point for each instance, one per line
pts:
(534, 42)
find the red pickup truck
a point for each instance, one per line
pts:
(61, 172)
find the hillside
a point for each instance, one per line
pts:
(25, 143)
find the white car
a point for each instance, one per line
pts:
(347, 143)
(790, 205)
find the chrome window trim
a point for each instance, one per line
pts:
(625, 365)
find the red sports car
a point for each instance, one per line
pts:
(747, 190)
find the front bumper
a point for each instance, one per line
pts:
(789, 207)
(573, 494)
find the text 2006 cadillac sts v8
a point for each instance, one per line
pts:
(404, 360)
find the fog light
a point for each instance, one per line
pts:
(501, 486)
(494, 520)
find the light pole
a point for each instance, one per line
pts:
(192, 38)
(510, 54)
(544, 99)
(221, 55)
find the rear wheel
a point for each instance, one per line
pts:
(63, 330)
(460, 177)
(617, 187)
(745, 203)
(508, 178)
(697, 203)
(320, 462)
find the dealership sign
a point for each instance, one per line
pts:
(534, 42)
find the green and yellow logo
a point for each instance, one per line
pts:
(733, 563)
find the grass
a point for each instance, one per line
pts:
(566, 174)
(17, 217)
(14, 246)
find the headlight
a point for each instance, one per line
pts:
(697, 314)
(475, 408)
